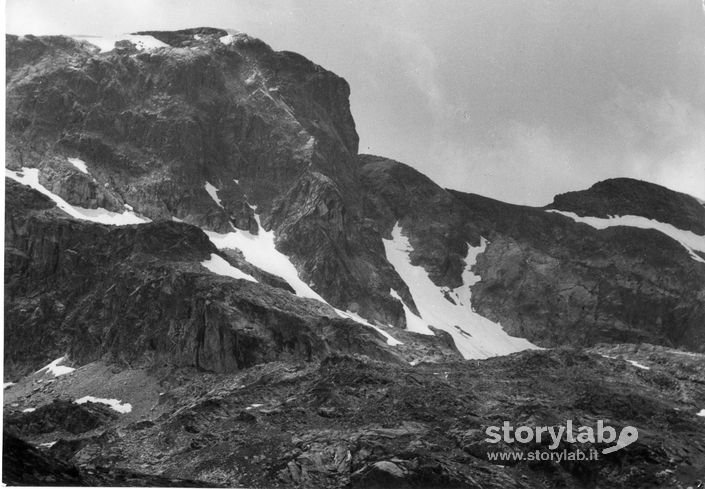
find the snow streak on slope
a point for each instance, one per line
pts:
(113, 403)
(219, 266)
(55, 369)
(639, 365)
(259, 250)
(80, 164)
(391, 341)
(475, 336)
(106, 44)
(213, 192)
(689, 240)
(30, 177)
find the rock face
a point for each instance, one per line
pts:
(61, 416)
(557, 281)
(215, 125)
(138, 293)
(25, 465)
(264, 128)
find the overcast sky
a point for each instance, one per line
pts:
(513, 99)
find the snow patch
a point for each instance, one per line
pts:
(112, 403)
(633, 362)
(30, 177)
(227, 39)
(107, 43)
(213, 192)
(689, 240)
(56, 369)
(701, 413)
(80, 164)
(29, 410)
(48, 444)
(686, 353)
(220, 266)
(475, 336)
(7, 385)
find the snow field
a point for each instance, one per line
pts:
(213, 192)
(475, 336)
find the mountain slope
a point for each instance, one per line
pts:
(158, 127)
(191, 236)
(141, 293)
(544, 276)
(217, 130)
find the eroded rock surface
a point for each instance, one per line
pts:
(349, 421)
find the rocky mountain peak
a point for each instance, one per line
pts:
(191, 232)
(627, 196)
(215, 129)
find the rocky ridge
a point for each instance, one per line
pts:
(350, 421)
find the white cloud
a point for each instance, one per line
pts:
(663, 139)
(523, 165)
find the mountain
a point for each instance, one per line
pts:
(187, 215)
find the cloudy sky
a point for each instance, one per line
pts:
(513, 99)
